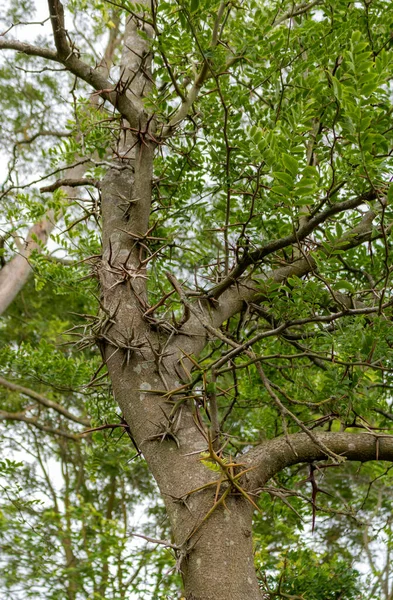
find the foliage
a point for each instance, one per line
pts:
(302, 571)
(278, 178)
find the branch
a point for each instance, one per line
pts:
(43, 401)
(165, 543)
(29, 49)
(285, 411)
(105, 88)
(9, 416)
(16, 273)
(44, 133)
(251, 290)
(280, 329)
(18, 270)
(56, 11)
(385, 414)
(295, 11)
(106, 426)
(193, 94)
(294, 238)
(69, 183)
(270, 457)
(212, 314)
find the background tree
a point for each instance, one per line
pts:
(238, 160)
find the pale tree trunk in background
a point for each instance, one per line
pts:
(17, 271)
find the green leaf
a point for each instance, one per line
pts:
(305, 186)
(281, 190)
(290, 163)
(343, 284)
(284, 177)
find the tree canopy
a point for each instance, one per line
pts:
(196, 299)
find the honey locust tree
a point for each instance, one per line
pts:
(237, 159)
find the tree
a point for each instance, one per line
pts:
(242, 154)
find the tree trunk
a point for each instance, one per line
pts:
(215, 555)
(221, 564)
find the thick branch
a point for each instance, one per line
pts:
(15, 274)
(84, 71)
(256, 290)
(56, 11)
(272, 456)
(18, 270)
(28, 49)
(252, 290)
(19, 389)
(69, 183)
